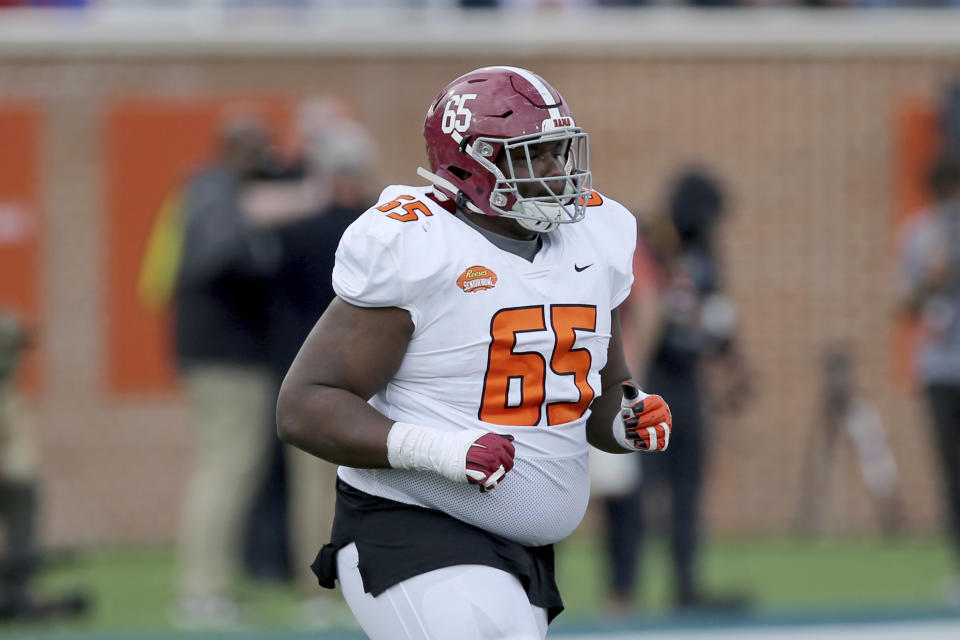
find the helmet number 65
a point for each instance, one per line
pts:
(456, 116)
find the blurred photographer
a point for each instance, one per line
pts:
(18, 486)
(21, 557)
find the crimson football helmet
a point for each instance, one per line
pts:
(507, 110)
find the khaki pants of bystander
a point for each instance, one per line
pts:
(229, 408)
(17, 454)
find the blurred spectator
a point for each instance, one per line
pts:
(930, 291)
(221, 329)
(342, 158)
(285, 195)
(21, 557)
(696, 326)
(615, 479)
(308, 217)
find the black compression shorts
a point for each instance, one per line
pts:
(396, 541)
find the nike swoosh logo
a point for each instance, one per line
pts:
(579, 268)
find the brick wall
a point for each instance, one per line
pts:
(804, 144)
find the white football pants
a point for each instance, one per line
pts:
(464, 602)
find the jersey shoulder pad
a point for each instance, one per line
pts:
(402, 213)
(384, 257)
(612, 229)
(611, 216)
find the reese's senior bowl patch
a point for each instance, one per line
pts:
(477, 278)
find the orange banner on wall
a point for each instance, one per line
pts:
(21, 227)
(151, 146)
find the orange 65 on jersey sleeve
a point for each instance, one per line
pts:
(411, 209)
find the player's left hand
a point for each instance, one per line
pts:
(647, 422)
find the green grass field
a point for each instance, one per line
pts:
(133, 588)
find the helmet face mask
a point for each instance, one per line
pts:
(542, 201)
(503, 143)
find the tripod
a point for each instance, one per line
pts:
(850, 417)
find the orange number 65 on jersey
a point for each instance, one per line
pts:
(529, 368)
(411, 209)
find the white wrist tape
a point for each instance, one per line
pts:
(411, 446)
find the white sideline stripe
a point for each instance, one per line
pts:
(872, 631)
(538, 85)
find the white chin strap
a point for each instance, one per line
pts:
(539, 217)
(436, 180)
(433, 178)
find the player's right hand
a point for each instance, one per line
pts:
(489, 459)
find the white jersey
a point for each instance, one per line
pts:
(500, 344)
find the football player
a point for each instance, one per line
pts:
(472, 353)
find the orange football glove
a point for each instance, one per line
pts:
(646, 420)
